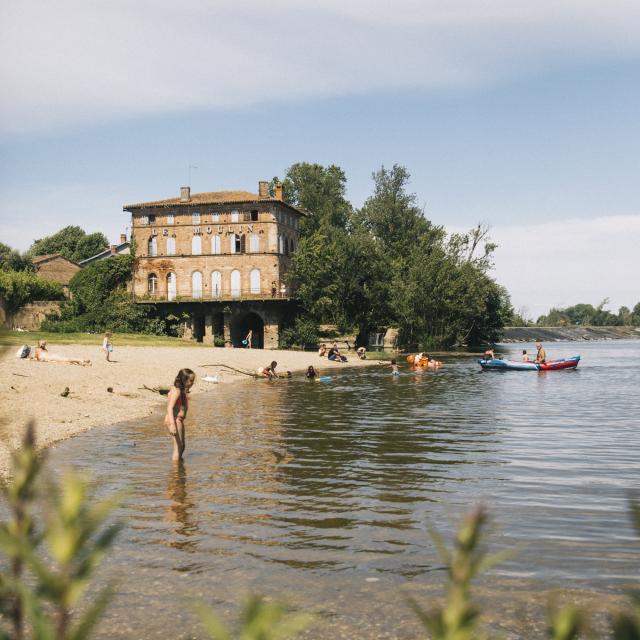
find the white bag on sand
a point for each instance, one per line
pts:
(23, 351)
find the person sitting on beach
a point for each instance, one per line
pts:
(311, 373)
(322, 350)
(541, 355)
(177, 406)
(362, 353)
(107, 346)
(43, 355)
(525, 357)
(335, 355)
(268, 371)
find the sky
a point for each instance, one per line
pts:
(520, 115)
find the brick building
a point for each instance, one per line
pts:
(56, 268)
(221, 257)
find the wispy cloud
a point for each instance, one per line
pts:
(87, 61)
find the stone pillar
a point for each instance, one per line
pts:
(227, 330)
(208, 330)
(187, 329)
(271, 334)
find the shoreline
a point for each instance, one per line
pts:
(31, 389)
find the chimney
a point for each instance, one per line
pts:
(123, 238)
(263, 189)
(185, 194)
(279, 192)
(113, 249)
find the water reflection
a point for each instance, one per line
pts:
(179, 512)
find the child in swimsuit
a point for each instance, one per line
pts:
(177, 406)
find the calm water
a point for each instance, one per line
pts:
(324, 493)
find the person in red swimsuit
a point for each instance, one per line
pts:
(177, 406)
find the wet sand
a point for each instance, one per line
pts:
(31, 390)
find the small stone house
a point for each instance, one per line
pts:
(56, 268)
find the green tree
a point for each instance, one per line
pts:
(72, 242)
(635, 315)
(392, 216)
(320, 191)
(12, 260)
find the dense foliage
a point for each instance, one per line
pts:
(588, 315)
(387, 264)
(101, 301)
(12, 260)
(72, 242)
(18, 288)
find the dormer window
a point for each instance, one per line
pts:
(195, 217)
(235, 216)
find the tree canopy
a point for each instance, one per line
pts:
(12, 260)
(588, 315)
(72, 242)
(386, 263)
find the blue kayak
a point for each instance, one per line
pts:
(503, 365)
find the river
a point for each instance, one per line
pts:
(323, 494)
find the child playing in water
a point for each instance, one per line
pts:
(177, 406)
(311, 373)
(394, 369)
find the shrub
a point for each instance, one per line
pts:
(20, 287)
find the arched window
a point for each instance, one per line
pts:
(152, 246)
(196, 284)
(196, 245)
(238, 243)
(235, 216)
(215, 244)
(216, 284)
(254, 281)
(152, 284)
(254, 243)
(171, 246)
(235, 283)
(171, 286)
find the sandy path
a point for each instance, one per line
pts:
(30, 389)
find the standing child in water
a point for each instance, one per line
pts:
(394, 369)
(177, 406)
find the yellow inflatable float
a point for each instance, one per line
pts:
(423, 361)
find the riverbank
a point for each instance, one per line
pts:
(564, 334)
(32, 390)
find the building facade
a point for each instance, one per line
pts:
(221, 257)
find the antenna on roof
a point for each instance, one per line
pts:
(191, 166)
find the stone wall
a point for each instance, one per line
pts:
(30, 316)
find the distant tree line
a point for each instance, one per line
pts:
(582, 315)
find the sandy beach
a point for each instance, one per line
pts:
(31, 389)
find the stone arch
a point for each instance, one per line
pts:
(244, 322)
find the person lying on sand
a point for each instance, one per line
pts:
(43, 355)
